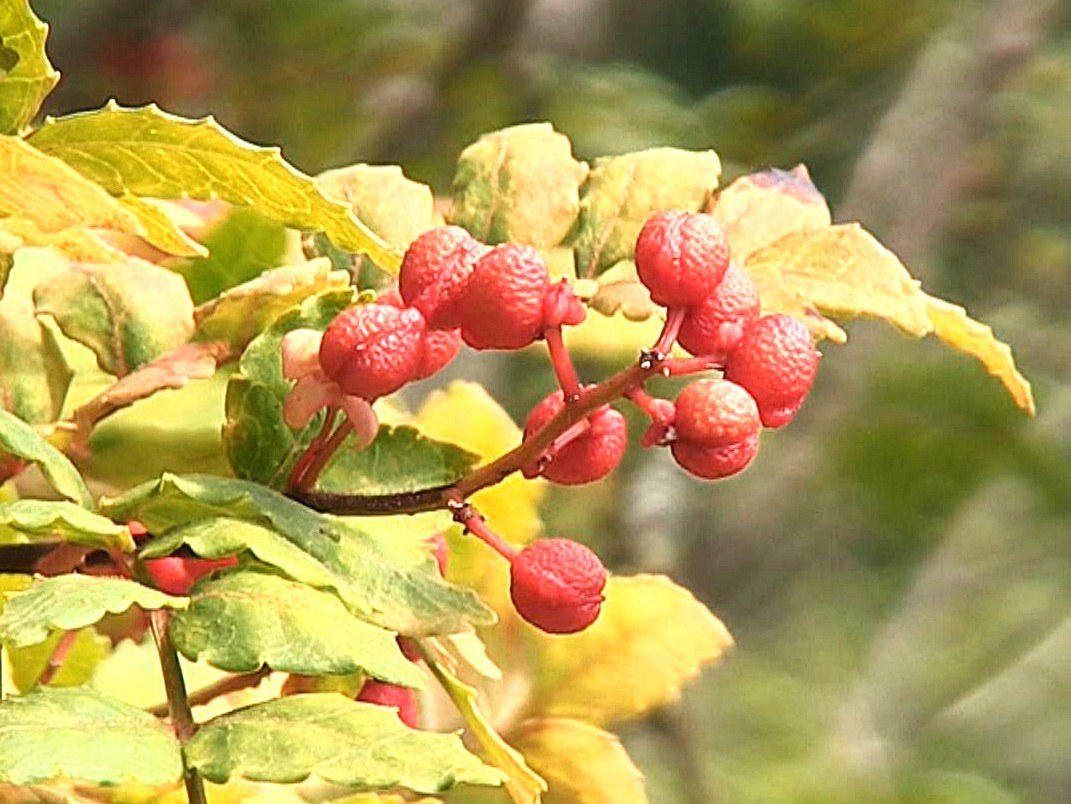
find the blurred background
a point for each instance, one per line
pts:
(896, 566)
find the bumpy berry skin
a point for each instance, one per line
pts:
(715, 326)
(502, 307)
(175, 574)
(589, 456)
(776, 362)
(556, 585)
(440, 346)
(383, 694)
(714, 463)
(373, 349)
(681, 257)
(435, 272)
(714, 413)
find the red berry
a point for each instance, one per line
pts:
(175, 574)
(712, 463)
(716, 325)
(373, 349)
(776, 362)
(590, 455)
(502, 307)
(714, 413)
(681, 257)
(440, 345)
(435, 272)
(401, 698)
(556, 585)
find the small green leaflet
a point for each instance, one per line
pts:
(24, 521)
(338, 740)
(34, 375)
(388, 581)
(19, 439)
(77, 733)
(68, 602)
(258, 443)
(244, 619)
(148, 152)
(29, 80)
(127, 313)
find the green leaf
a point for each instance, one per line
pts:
(401, 459)
(24, 521)
(244, 619)
(147, 152)
(581, 763)
(520, 184)
(79, 734)
(69, 602)
(339, 740)
(385, 579)
(599, 676)
(19, 439)
(843, 271)
(258, 444)
(761, 207)
(54, 196)
(128, 314)
(29, 79)
(80, 662)
(240, 247)
(624, 191)
(34, 376)
(241, 312)
(160, 231)
(524, 785)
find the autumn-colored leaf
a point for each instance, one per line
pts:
(76, 243)
(520, 184)
(28, 79)
(581, 763)
(761, 207)
(34, 376)
(651, 638)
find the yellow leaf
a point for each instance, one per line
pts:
(953, 326)
(759, 208)
(582, 764)
(523, 784)
(650, 640)
(465, 414)
(53, 195)
(843, 271)
(160, 230)
(75, 243)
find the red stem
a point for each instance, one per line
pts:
(670, 329)
(301, 468)
(324, 455)
(474, 523)
(59, 655)
(562, 363)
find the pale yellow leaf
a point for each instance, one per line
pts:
(160, 230)
(953, 326)
(523, 784)
(581, 763)
(651, 638)
(76, 243)
(53, 195)
(759, 208)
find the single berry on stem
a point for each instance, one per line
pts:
(776, 361)
(717, 426)
(591, 454)
(557, 585)
(372, 350)
(502, 307)
(715, 326)
(681, 257)
(175, 574)
(436, 271)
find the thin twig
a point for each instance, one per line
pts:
(224, 686)
(56, 659)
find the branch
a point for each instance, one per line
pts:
(527, 452)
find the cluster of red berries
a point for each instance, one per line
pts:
(454, 289)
